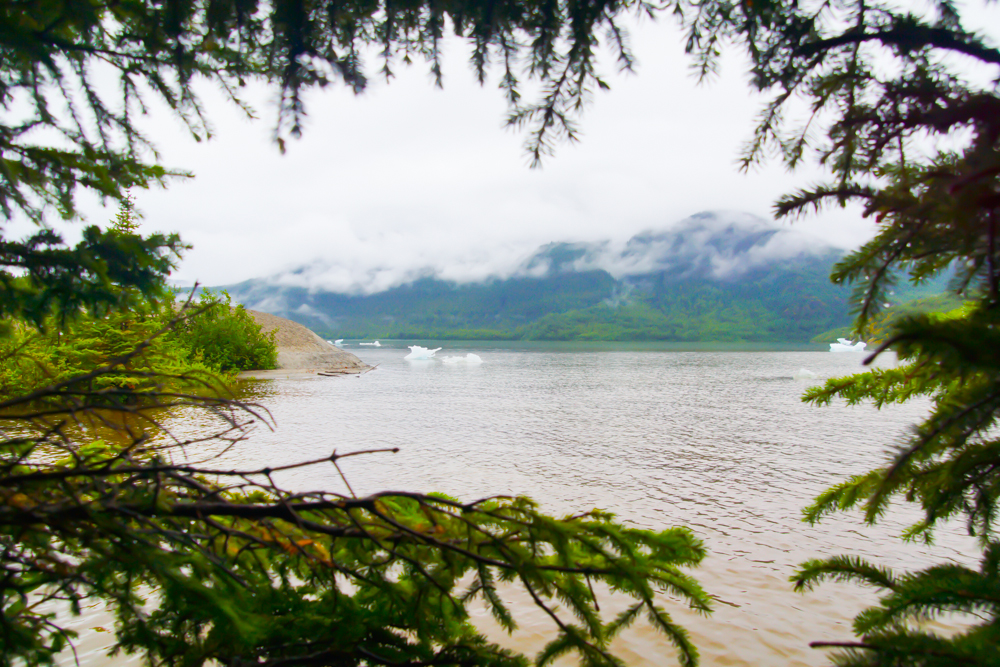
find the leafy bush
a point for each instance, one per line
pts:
(245, 571)
(214, 338)
(881, 325)
(32, 358)
(226, 337)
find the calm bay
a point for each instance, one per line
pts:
(712, 437)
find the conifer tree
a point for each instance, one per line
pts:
(900, 126)
(125, 221)
(904, 111)
(202, 563)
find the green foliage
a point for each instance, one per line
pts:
(833, 335)
(916, 145)
(786, 304)
(226, 337)
(697, 311)
(244, 571)
(53, 49)
(947, 464)
(880, 327)
(206, 339)
(104, 302)
(105, 310)
(420, 333)
(602, 322)
(105, 271)
(33, 359)
(891, 631)
(125, 220)
(430, 305)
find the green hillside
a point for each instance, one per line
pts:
(939, 303)
(712, 278)
(787, 303)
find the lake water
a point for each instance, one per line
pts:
(715, 439)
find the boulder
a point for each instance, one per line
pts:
(300, 351)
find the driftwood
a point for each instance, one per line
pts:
(345, 371)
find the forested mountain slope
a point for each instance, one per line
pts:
(713, 276)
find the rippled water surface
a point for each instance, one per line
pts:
(715, 440)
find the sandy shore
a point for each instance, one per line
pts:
(302, 353)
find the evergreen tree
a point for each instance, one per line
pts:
(897, 114)
(249, 572)
(125, 221)
(100, 499)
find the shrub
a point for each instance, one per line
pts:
(226, 337)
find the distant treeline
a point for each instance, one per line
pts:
(878, 329)
(792, 302)
(683, 320)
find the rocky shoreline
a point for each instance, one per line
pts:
(302, 353)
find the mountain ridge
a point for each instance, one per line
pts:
(715, 276)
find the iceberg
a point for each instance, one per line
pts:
(470, 359)
(375, 344)
(804, 374)
(418, 353)
(844, 345)
(338, 342)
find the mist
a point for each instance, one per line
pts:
(720, 244)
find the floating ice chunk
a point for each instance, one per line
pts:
(418, 353)
(375, 344)
(804, 374)
(469, 359)
(338, 342)
(847, 346)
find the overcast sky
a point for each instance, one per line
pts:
(407, 176)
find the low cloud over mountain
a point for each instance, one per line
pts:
(722, 245)
(719, 245)
(713, 276)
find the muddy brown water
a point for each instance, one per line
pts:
(717, 440)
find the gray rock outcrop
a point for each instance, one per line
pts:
(303, 351)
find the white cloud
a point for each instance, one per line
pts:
(407, 178)
(701, 239)
(694, 244)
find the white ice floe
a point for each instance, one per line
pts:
(804, 374)
(469, 359)
(375, 344)
(338, 342)
(418, 353)
(847, 346)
